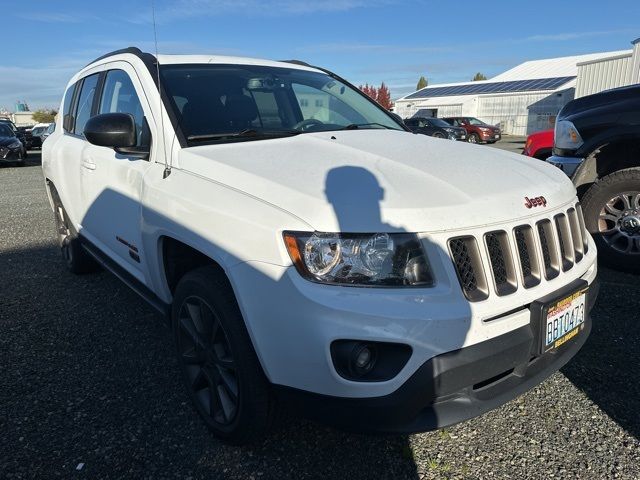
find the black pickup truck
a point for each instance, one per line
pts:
(597, 143)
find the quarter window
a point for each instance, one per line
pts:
(67, 116)
(119, 96)
(85, 102)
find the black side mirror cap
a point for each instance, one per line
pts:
(113, 130)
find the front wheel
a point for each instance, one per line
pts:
(438, 135)
(612, 215)
(473, 138)
(219, 365)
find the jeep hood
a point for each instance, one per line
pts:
(382, 180)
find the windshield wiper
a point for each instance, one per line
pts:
(249, 132)
(355, 126)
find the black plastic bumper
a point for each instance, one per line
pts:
(454, 386)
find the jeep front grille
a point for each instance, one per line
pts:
(502, 267)
(468, 264)
(542, 250)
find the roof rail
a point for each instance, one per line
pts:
(133, 50)
(298, 62)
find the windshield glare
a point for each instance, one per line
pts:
(438, 122)
(475, 121)
(5, 131)
(211, 100)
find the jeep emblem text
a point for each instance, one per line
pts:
(535, 202)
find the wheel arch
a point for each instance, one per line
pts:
(607, 157)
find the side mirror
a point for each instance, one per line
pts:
(113, 130)
(117, 131)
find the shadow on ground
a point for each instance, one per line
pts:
(606, 368)
(89, 376)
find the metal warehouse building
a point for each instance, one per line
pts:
(528, 97)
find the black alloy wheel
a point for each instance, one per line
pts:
(208, 362)
(219, 365)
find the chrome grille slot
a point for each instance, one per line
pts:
(576, 234)
(583, 229)
(528, 255)
(502, 266)
(468, 265)
(550, 256)
(564, 241)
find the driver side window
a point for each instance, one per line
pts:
(119, 96)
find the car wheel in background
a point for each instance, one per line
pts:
(612, 215)
(473, 138)
(219, 365)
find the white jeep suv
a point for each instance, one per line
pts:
(309, 250)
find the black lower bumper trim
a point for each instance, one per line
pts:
(451, 387)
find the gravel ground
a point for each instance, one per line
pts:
(89, 388)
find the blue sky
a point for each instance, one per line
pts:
(364, 41)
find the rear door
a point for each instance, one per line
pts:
(113, 181)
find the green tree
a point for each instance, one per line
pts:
(478, 76)
(44, 116)
(423, 82)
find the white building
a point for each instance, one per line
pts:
(526, 98)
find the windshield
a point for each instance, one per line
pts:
(37, 130)
(475, 121)
(231, 102)
(5, 131)
(438, 122)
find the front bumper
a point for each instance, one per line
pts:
(567, 164)
(451, 387)
(10, 154)
(490, 137)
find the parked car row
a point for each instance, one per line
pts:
(15, 141)
(469, 129)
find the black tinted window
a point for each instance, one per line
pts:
(67, 116)
(85, 101)
(119, 96)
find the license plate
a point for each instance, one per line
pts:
(497, 136)
(463, 137)
(564, 320)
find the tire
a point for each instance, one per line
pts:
(76, 258)
(219, 366)
(613, 221)
(438, 135)
(473, 138)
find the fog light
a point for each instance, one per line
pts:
(363, 359)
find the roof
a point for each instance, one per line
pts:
(222, 59)
(535, 75)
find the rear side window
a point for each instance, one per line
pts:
(67, 116)
(85, 102)
(119, 96)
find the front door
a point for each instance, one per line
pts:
(112, 182)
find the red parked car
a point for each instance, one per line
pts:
(539, 145)
(477, 130)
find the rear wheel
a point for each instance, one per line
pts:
(612, 215)
(438, 135)
(219, 366)
(473, 138)
(76, 258)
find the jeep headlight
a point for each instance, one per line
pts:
(567, 136)
(371, 260)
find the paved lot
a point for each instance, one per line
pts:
(89, 389)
